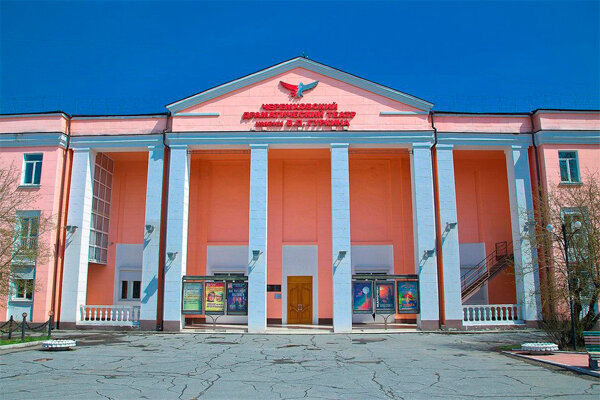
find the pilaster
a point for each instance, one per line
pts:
(75, 273)
(340, 234)
(424, 235)
(177, 232)
(152, 229)
(521, 211)
(257, 265)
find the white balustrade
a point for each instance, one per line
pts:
(492, 314)
(110, 315)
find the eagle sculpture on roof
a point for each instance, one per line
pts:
(298, 90)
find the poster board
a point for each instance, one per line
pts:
(214, 297)
(408, 297)
(362, 297)
(193, 297)
(385, 298)
(237, 298)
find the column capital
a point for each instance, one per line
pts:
(81, 149)
(340, 145)
(444, 146)
(422, 146)
(259, 146)
(178, 147)
(156, 147)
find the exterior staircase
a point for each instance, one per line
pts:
(497, 261)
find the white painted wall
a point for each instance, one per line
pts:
(128, 264)
(300, 261)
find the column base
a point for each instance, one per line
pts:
(171, 326)
(147, 325)
(532, 324)
(429, 325)
(67, 325)
(453, 324)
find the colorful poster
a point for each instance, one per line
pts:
(192, 297)
(237, 298)
(408, 297)
(362, 297)
(385, 297)
(214, 297)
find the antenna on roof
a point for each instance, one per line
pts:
(304, 55)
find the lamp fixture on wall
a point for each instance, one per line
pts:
(149, 229)
(450, 226)
(71, 229)
(256, 254)
(171, 255)
(341, 255)
(428, 253)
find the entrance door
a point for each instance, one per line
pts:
(299, 300)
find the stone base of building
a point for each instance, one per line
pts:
(171, 326)
(453, 324)
(429, 325)
(147, 325)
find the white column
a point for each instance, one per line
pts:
(257, 269)
(424, 235)
(177, 232)
(521, 209)
(150, 259)
(75, 273)
(340, 235)
(449, 229)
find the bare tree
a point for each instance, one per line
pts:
(567, 235)
(19, 232)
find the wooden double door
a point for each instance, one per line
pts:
(299, 300)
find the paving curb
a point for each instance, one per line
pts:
(21, 345)
(569, 367)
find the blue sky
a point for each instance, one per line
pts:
(109, 57)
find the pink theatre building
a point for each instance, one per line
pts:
(300, 194)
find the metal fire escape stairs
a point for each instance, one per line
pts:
(495, 262)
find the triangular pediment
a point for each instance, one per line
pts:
(303, 68)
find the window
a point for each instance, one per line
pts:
(130, 290)
(22, 289)
(569, 167)
(103, 176)
(32, 169)
(28, 232)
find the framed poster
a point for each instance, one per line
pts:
(192, 297)
(362, 297)
(237, 298)
(408, 297)
(385, 298)
(214, 297)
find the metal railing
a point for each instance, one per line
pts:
(110, 315)
(492, 314)
(486, 269)
(11, 326)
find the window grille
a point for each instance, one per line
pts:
(103, 179)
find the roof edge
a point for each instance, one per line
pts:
(299, 62)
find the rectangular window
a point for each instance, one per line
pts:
(28, 233)
(103, 176)
(569, 167)
(22, 289)
(130, 290)
(32, 169)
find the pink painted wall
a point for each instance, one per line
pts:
(367, 105)
(47, 201)
(483, 123)
(31, 123)
(299, 214)
(117, 126)
(127, 216)
(381, 203)
(567, 121)
(219, 204)
(483, 208)
(587, 155)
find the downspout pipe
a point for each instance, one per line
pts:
(59, 228)
(438, 236)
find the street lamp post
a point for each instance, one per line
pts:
(565, 240)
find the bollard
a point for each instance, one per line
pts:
(50, 323)
(10, 324)
(23, 326)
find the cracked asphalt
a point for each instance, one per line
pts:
(242, 366)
